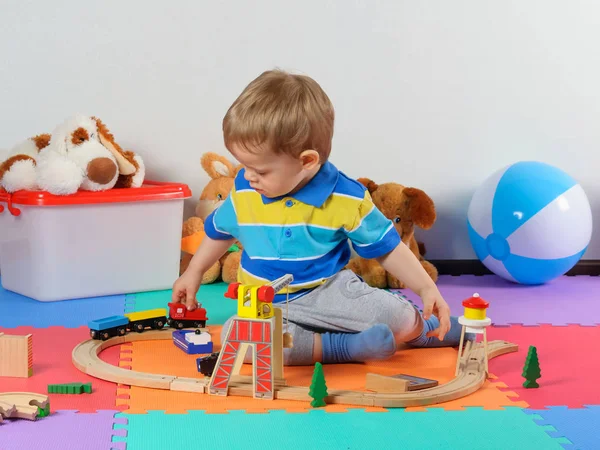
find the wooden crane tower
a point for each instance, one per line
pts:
(257, 325)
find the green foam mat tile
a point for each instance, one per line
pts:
(212, 297)
(356, 429)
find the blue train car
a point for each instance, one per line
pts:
(108, 327)
(179, 339)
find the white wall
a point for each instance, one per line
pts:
(432, 94)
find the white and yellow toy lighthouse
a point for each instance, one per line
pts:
(474, 320)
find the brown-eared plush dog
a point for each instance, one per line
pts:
(81, 153)
(406, 207)
(222, 173)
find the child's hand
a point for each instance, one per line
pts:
(185, 289)
(434, 303)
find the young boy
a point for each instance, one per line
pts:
(294, 212)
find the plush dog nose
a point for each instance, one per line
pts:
(101, 170)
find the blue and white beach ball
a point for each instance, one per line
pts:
(529, 222)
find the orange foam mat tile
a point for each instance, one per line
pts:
(163, 357)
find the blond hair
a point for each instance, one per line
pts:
(289, 113)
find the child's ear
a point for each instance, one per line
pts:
(310, 159)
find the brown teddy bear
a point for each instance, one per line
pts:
(222, 174)
(405, 207)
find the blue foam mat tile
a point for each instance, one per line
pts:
(17, 310)
(356, 429)
(580, 426)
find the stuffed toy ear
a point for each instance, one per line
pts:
(126, 167)
(369, 184)
(217, 166)
(421, 207)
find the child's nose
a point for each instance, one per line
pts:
(249, 176)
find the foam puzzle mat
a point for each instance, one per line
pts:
(561, 319)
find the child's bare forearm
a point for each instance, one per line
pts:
(404, 265)
(209, 251)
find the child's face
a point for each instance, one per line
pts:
(274, 174)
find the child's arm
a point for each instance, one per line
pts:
(187, 285)
(395, 257)
(221, 230)
(404, 265)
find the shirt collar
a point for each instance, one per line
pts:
(316, 190)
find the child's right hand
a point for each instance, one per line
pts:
(185, 289)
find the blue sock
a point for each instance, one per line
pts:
(452, 338)
(375, 343)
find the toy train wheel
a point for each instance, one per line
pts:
(104, 335)
(138, 327)
(93, 334)
(158, 324)
(179, 325)
(200, 324)
(121, 331)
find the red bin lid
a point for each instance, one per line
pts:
(475, 302)
(149, 191)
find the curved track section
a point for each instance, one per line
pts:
(21, 405)
(471, 376)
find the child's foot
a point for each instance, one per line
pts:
(375, 343)
(451, 339)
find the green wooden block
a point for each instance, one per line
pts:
(70, 388)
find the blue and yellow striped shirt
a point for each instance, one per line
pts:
(306, 234)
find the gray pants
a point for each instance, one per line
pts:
(343, 304)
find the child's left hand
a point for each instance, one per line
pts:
(433, 303)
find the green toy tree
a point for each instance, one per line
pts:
(531, 370)
(318, 388)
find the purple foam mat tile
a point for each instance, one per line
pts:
(563, 301)
(63, 430)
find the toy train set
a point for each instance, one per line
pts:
(259, 327)
(179, 317)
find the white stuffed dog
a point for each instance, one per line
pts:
(80, 154)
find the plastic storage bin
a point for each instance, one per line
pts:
(91, 244)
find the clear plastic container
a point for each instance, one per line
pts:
(91, 244)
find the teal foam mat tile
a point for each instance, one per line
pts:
(356, 429)
(218, 308)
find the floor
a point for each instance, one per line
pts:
(561, 319)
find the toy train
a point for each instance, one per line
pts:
(179, 317)
(206, 364)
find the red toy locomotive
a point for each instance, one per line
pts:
(180, 317)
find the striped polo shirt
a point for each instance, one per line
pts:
(306, 234)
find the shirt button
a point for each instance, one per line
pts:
(289, 203)
(288, 232)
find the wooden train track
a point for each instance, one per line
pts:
(471, 376)
(21, 405)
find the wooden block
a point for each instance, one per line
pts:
(16, 356)
(381, 383)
